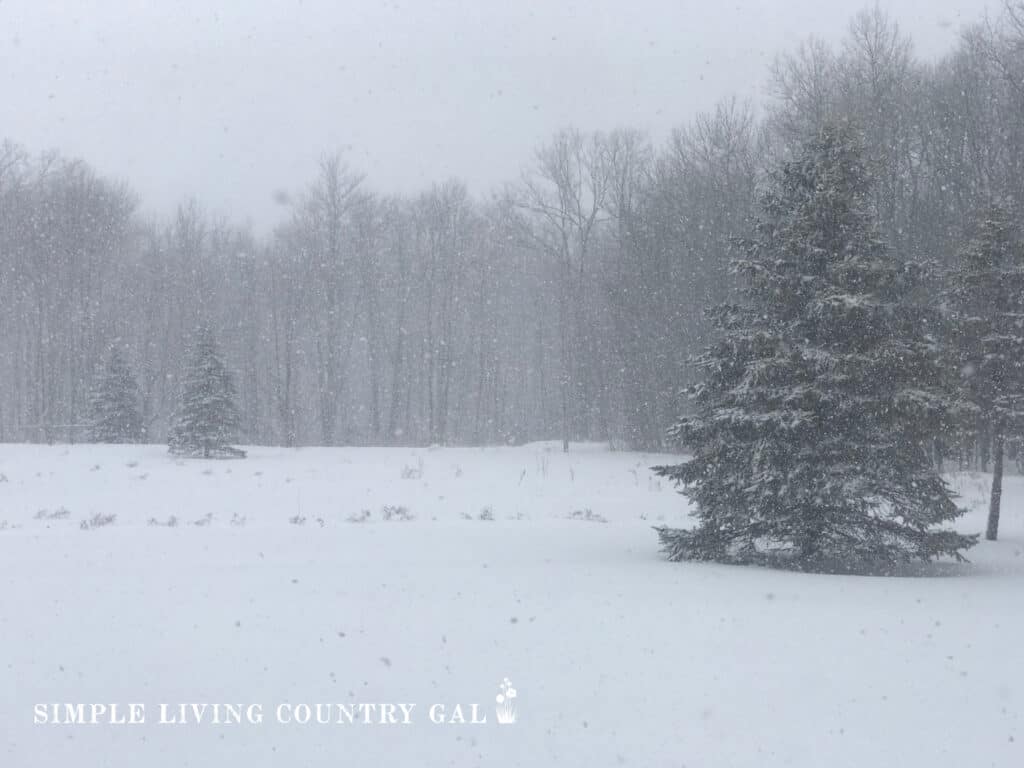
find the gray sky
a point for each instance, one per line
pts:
(230, 101)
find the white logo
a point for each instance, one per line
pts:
(505, 707)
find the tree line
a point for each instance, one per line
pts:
(565, 305)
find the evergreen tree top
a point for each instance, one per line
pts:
(816, 240)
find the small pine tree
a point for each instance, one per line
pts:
(986, 303)
(207, 419)
(114, 403)
(809, 437)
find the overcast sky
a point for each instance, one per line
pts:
(231, 101)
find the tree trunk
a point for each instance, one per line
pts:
(992, 531)
(985, 448)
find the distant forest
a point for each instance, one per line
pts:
(565, 305)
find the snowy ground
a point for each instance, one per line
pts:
(272, 589)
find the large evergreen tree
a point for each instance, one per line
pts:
(809, 435)
(114, 403)
(986, 302)
(207, 419)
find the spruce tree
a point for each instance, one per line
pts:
(986, 303)
(809, 433)
(114, 403)
(207, 419)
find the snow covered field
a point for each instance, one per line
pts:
(357, 576)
